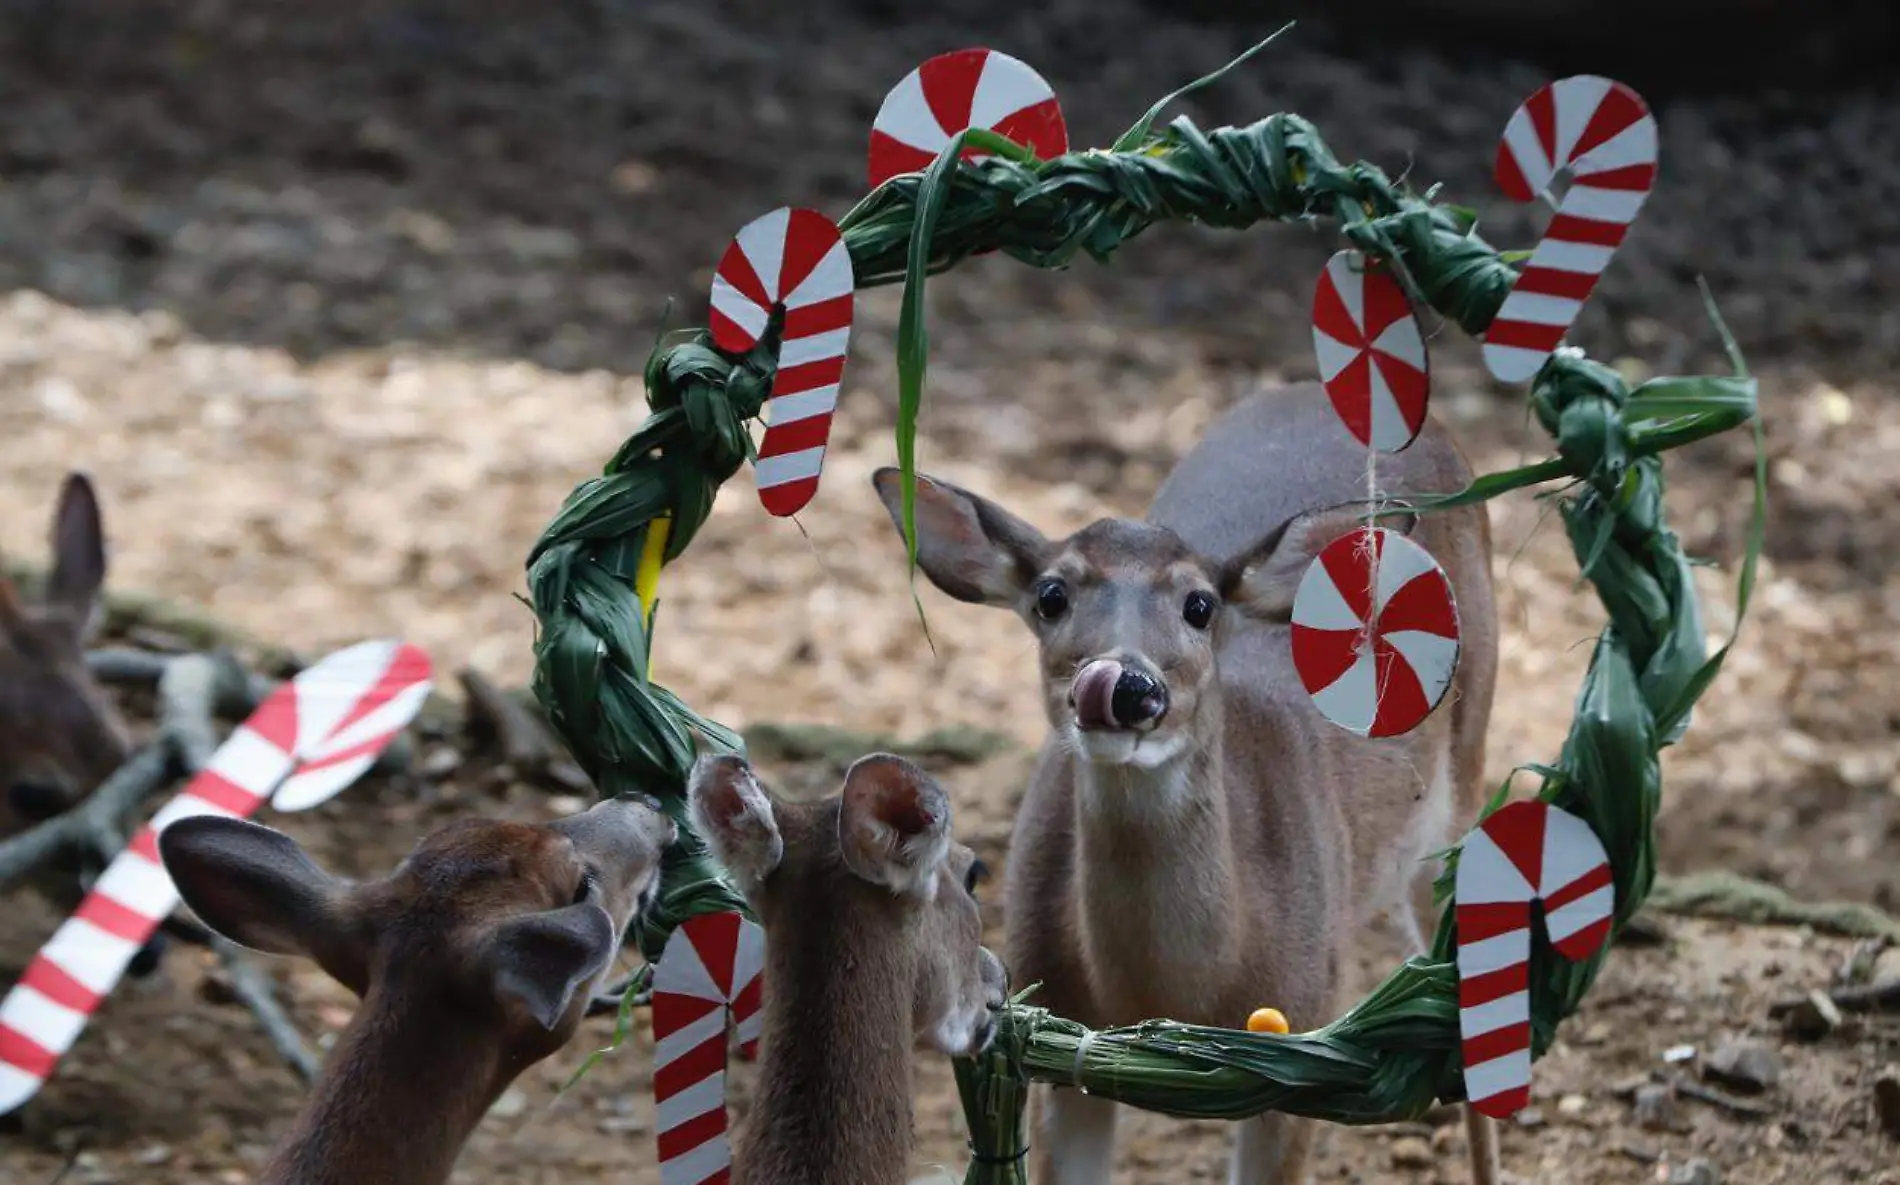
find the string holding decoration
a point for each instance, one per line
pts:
(1524, 852)
(1602, 134)
(711, 971)
(1375, 632)
(1372, 358)
(792, 260)
(954, 92)
(308, 741)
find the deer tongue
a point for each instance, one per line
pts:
(1094, 695)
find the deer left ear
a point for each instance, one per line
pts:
(545, 959)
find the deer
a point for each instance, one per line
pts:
(61, 735)
(475, 958)
(1195, 839)
(873, 949)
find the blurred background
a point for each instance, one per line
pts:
(337, 302)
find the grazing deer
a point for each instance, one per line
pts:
(873, 946)
(474, 959)
(1196, 839)
(60, 735)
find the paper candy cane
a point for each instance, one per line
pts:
(953, 92)
(795, 260)
(1602, 133)
(711, 969)
(1525, 852)
(306, 742)
(1371, 355)
(1375, 632)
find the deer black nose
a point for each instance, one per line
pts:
(1139, 697)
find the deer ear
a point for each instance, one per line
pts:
(733, 814)
(545, 959)
(79, 554)
(970, 547)
(894, 825)
(253, 885)
(1261, 583)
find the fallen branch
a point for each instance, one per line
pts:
(1737, 898)
(1720, 1098)
(191, 692)
(1877, 997)
(252, 988)
(524, 742)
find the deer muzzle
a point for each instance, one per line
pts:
(1108, 695)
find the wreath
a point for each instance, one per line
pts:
(1581, 848)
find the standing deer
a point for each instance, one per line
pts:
(474, 959)
(60, 735)
(873, 947)
(1196, 839)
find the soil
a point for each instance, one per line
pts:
(338, 305)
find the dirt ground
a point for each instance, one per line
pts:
(337, 311)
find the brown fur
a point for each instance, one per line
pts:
(1240, 871)
(873, 947)
(474, 958)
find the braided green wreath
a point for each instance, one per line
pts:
(1397, 1052)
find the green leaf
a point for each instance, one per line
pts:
(1133, 137)
(1490, 486)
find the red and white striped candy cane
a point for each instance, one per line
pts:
(795, 260)
(953, 92)
(1525, 852)
(1602, 133)
(711, 969)
(1372, 358)
(308, 740)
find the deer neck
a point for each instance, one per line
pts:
(1156, 874)
(396, 1101)
(833, 1104)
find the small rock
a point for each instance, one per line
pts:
(1640, 1153)
(1654, 1107)
(1813, 1018)
(442, 761)
(1678, 1053)
(1626, 1088)
(155, 1154)
(1572, 1105)
(1696, 1171)
(1529, 1118)
(1596, 1034)
(1744, 1066)
(511, 1103)
(623, 1125)
(1887, 1100)
(1411, 1153)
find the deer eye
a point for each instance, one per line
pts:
(585, 888)
(1199, 610)
(1052, 599)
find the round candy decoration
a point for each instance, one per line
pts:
(1602, 133)
(953, 92)
(1371, 355)
(1375, 632)
(795, 260)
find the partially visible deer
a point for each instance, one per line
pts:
(475, 958)
(1197, 840)
(873, 947)
(60, 735)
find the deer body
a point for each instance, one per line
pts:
(873, 948)
(474, 960)
(1197, 840)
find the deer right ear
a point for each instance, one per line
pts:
(253, 885)
(1261, 583)
(894, 825)
(971, 548)
(79, 554)
(733, 814)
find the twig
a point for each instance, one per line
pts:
(524, 743)
(1723, 1099)
(1876, 997)
(190, 692)
(249, 985)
